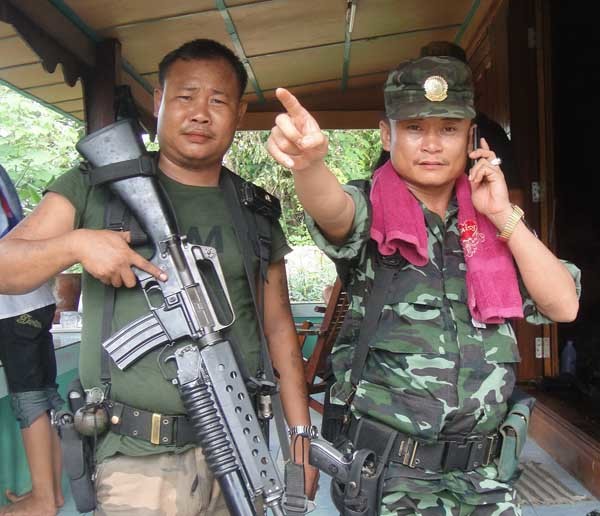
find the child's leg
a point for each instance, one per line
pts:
(42, 448)
(59, 499)
(37, 440)
(27, 353)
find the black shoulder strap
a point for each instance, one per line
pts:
(109, 291)
(384, 268)
(252, 226)
(108, 309)
(248, 231)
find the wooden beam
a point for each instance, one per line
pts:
(350, 16)
(368, 98)
(475, 29)
(51, 51)
(59, 27)
(326, 119)
(99, 86)
(239, 48)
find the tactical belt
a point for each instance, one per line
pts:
(150, 426)
(467, 454)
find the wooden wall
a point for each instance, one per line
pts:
(506, 57)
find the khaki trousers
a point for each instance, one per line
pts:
(158, 485)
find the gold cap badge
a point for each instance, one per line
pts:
(436, 88)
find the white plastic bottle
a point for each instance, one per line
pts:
(568, 358)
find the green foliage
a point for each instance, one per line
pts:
(36, 145)
(309, 271)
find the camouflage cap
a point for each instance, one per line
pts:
(429, 87)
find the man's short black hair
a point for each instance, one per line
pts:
(199, 49)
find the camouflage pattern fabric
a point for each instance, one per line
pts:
(407, 93)
(166, 484)
(443, 504)
(430, 372)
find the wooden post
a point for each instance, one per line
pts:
(99, 86)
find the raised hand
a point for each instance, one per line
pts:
(296, 140)
(489, 192)
(106, 255)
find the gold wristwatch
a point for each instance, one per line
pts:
(511, 223)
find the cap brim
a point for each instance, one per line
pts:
(427, 109)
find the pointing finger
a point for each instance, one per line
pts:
(290, 103)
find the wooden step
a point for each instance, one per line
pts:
(575, 450)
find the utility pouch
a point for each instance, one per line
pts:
(514, 434)
(362, 494)
(77, 452)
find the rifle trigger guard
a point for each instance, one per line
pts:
(162, 359)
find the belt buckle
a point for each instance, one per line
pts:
(491, 445)
(406, 454)
(476, 451)
(458, 454)
(155, 431)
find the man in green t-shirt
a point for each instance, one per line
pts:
(198, 106)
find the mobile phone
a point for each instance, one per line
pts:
(476, 138)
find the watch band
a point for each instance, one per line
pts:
(309, 431)
(511, 223)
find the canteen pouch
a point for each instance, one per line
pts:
(514, 434)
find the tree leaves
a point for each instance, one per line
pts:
(351, 156)
(36, 145)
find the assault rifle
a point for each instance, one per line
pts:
(193, 303)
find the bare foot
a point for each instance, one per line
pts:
(59, 499)
(14, 497)
(30, 506)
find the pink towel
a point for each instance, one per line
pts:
(399, 225)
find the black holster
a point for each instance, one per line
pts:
(361, 496)
(77, 452)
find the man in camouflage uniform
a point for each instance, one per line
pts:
(433, 373)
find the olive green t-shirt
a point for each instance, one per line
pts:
(202, 216)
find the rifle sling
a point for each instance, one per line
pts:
(243, 233)
(108, 307)
(383, 278)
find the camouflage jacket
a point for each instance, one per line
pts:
(430, 371)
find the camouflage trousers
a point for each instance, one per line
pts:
(158, 485)
(444, 503)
